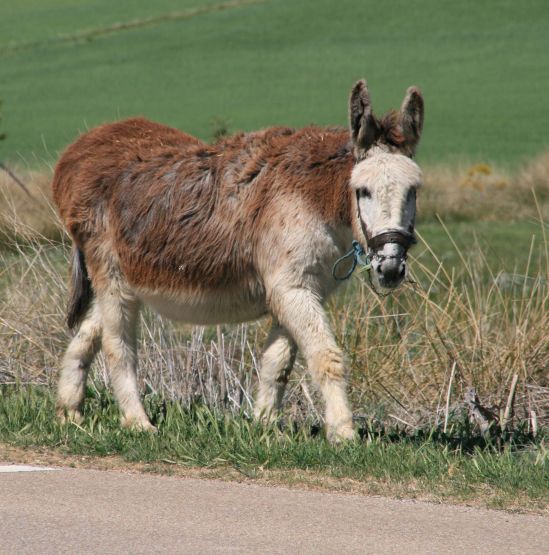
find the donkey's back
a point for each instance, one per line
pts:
(90, 168)
(175, 220)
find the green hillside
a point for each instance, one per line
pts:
(66, 65)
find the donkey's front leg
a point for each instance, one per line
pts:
(301, 313)
(276, 364)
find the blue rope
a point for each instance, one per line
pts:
(359, 257)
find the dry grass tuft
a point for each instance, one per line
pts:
(413, 355)
(23, 215)
(535, 175)
(483, 192)
(417, 353)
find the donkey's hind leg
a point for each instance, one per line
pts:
(276, 364)
(119, 312)
(76, 363)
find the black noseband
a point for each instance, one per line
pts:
(402, 238)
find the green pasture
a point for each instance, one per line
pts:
(506, 247)
(67, 65)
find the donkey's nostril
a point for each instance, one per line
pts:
(391, 272)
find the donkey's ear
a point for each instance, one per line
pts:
(411, 117)
(364, 127)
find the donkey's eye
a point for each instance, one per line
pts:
(364, 193)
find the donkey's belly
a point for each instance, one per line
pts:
(205, 308)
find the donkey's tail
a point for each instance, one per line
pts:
(81, 294)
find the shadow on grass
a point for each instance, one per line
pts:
(463, 436)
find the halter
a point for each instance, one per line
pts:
(360, 256)
(403, 238)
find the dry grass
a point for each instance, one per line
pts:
(26, 214)
(413, 355)
(418, 352)
(483, 192)
(403, 350)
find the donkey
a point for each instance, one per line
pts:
(230, 232)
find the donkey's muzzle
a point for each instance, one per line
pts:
(389, 265)
(389, 257)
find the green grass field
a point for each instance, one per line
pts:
(496, 240)
(454, 467)
(481, 66)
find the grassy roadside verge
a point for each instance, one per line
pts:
(454, 467)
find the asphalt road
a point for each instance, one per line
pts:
(87, 511)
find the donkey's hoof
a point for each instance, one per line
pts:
(138, 424)
(341, 434)
(66, 415)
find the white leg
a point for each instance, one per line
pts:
(119, 314)
(276, 364)
(83, 347)
(302, 314)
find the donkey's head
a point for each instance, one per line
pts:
(385, 180)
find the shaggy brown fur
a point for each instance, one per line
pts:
(165, 202)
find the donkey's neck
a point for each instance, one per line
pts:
(319, 161)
